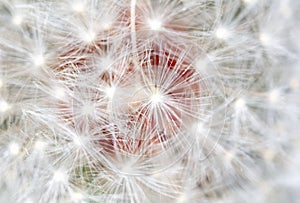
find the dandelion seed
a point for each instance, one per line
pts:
(60, 176)
(39, 60)
(229, 155)
(17, 20)
(78, 7)
(107, 25)
(14, 148)
(126, 169)
(4, 106)
(265, 39)
(40, 145)
(77, 141)
(105, 63)
(76, 196)
(156, 97)
(155, 24)
(239, 104)
(110, 91)
(59, 93)
(268, 155)
(29, 201)
(274, 96)
(88, 109)
(251, 2)
(201, 65)
(200, 127)
(222, 33)
(182, 199)
(89, 36)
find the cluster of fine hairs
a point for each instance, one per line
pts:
(149, 101)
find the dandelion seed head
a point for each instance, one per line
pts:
(155, 24)
(4, 106)
(222, 33)
(14, 148)
(111, 134)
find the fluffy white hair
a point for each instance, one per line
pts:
(149, 101)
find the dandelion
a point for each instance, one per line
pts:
(149, 101)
